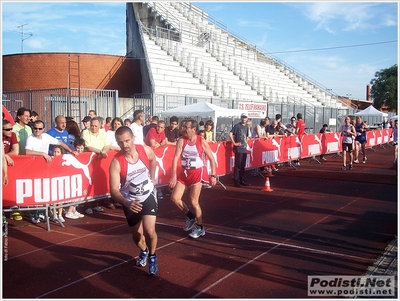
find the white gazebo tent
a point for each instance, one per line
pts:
(202, 110)
(371, 111)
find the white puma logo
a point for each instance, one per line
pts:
(215, 159)
(71, 160)
(278, 145)
(318, 140)
(251, 149)
(298, 141)
(337, 138)
(215, 154)
(160, 161)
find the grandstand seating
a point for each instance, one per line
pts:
(203, 59)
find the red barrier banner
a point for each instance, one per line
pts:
(34, 182)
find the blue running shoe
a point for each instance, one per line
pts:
(197, 232)
(153, 265)
(142, 258)
(189, 224)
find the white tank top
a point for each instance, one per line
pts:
(138, 185)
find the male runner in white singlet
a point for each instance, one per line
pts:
(191, 150)
(132, 185)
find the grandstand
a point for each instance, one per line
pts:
(187, 52)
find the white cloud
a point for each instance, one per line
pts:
(246, 23)
(334, 17)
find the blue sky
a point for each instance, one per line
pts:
(290, 31)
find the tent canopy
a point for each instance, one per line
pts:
(203, 110)
(371, 111)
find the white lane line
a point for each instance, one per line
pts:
(284, 243)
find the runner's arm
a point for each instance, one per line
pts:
(115, 183)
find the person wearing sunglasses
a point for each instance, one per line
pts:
(39, 142)
(10, 142)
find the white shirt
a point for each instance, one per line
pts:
(137, 131)
(40, 145)
(111, 137)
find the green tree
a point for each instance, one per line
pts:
(384, 88)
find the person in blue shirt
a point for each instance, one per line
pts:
(59, 132)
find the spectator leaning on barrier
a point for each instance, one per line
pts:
(59, 131)
(10, 142)
(172, 132)
(21, 128)
(156, 138)
(39, 142)
(96, 141)
(291, 127)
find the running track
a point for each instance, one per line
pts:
(319, 220)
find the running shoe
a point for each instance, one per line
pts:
(365, 160)
(197, 232)
(153, 265)
(350, 166)
(189, 224)
(344, 167)
(356, 161)
(142, 258)
(89, 211)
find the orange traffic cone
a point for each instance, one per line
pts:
(267, 188)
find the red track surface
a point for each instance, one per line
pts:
(319, 220)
